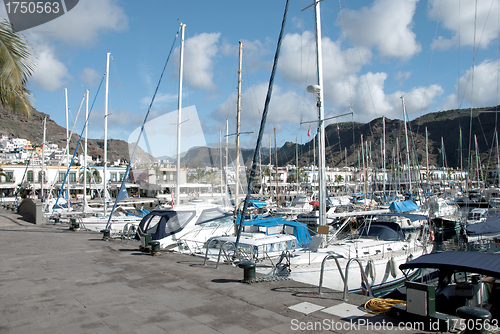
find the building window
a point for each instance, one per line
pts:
(9, 176)
(72, 177)
(113, 177)
(40, 174)
(61, 177)
(29, 176)
(122, 176)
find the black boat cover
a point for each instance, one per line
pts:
(489, 226)
(472, 262)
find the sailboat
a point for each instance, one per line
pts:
(378, 248)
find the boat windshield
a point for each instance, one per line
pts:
(169, 222)
(214, 217)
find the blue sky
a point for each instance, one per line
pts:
(373, 52)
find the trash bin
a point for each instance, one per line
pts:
(476, 319)
(248, 271)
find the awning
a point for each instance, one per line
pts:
(472, 262)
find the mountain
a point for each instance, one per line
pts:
(443, 124)
(15, 125)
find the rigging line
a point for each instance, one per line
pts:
(74, 120)
(78, 144)
(430, 64)
(262, 128)
(142, 129)
(364, 72)
(120, 84)
(472, 87)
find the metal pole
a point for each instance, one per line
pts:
(179, 118)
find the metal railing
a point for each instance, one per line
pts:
(345, 278)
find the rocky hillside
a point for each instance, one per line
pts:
(15, 125)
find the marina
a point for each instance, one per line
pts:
(174, 237)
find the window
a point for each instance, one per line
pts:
(61, 177)
(122, 176)
(113, 177)
(9, 176)
(72, 177)
(29, 176)
(40, 176)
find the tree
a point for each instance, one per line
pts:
(16, 66)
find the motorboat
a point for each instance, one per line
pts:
(464, 279)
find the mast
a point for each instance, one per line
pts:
(85, 151)
(42, 197)
(383, 152)
(238, 111)
(364, 168)
(427, 154)
(477, 163)
(227, 148)
(498, 159)
(67, 140)
(179, 118)
(297, 161)
(321, 116)
(276, 160)
(106, 132)
(407, 146)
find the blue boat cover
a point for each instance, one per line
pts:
(257, 203)
(299, 230)
(472, 262)
(490, 225)
(403, 206)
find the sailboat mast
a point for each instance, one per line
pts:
(407, 146)
(67, 139)
(227, 148)
(85, 151)
(498, 158)
(179, 118)
(106, 94)
(238, 111)
(276, 160)
(383, 152)
(427, 154)
(42, 180)
(321, 116)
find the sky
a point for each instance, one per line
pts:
(374, 52)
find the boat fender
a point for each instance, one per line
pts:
(393, 267)
(431, 236)
(370, 270)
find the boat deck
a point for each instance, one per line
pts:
(54, 280)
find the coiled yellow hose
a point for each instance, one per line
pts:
(381, 305)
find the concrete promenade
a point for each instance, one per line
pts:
(53, 280)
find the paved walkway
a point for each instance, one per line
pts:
(53, 280)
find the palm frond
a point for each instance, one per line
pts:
(16, 67)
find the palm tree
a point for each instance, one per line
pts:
(16, 66)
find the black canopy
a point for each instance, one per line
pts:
(472, 262)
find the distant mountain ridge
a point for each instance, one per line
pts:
(15, 125)
(445, 124)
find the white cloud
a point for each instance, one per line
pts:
(83, 24)
(486, 82)
(460, 17)
(386, 25)
(199, 53)
(402, 76)
(50, 74)
(90, 76)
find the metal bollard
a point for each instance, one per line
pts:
(248, 271)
